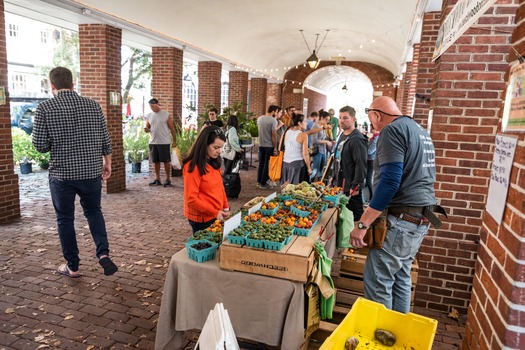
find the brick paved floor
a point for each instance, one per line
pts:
(40, 309)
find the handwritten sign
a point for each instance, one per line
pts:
(500, 174)
(231, 224)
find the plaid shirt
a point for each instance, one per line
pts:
(73, 129)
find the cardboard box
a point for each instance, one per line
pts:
(293, 262)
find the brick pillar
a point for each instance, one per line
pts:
(407, 78)
(466, 98)
(258, 95)
(238, 89)
(166, 84)
(425, 67)
(100, 58)
(209, 85)
(496, 310)
(274, 95)
(9, 191)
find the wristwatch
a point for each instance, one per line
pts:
(362, 226)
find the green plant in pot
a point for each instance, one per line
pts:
(24, 153)
(136, 144)
(43, 160)
(185, 139)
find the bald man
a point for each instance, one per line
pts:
(404, 179)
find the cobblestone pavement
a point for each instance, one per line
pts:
(40, 309)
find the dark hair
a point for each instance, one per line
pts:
(233, 121)
(314, 114)
(213, 109)
(324, 114)
(198, 154)
(288, 108)
(272, 109)
(296, 119)
(61, 78)
(349, 110)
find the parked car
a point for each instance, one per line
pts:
(22, 115)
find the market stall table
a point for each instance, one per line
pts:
(263, 309)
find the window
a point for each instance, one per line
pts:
(44, 85)
(190, 93)
(18, 83)
(44, 36)
(224, 94)
(13, 30)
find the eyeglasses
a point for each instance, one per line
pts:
(368, 110)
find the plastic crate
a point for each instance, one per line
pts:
(270, 245)
(203, 254)
(412, 331)
(299, 212)
(241, 240)
(255, 243)
(283, 197)
(269, 212)
(302, 231)
(334, 199)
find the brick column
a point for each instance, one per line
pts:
(466, 98)
(238, 89)
(9, 190)
(166, 84)
(274, 95)
(209, 85)
(496, 309)
(425, 67)
(100, 58)
(258, 96)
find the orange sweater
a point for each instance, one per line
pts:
(204, 196)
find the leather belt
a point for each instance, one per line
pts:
(413, 219)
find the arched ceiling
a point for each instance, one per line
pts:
(261, 37)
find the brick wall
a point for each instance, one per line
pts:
(381, 78)
(258, 87)
(425, 67)
(238, 89)
(316, 101)
(466, 98)
(413, 80)
(100, 60)
(9, 191)
(274, 95)
(209, 84)
(166, 84)
(496, 310)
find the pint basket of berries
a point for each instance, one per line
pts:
(269, 208)
(201, 250)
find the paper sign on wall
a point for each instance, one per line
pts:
(500, 175)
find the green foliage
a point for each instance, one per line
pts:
(23, 149)
(139, 64)
(135, 141)
(185, 139)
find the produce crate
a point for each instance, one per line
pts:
(334, 199)
(203, 254)
(293, 262)
(412, 331)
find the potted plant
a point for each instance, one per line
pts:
(24, 153)
(43, 160)
(136, 144)
(185, 139)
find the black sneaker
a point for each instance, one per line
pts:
(167, 183)
(155, 183)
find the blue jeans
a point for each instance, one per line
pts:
(319, 161)
(63, 193)
(387, 271)
(264, 160)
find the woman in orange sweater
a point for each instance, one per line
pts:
(204, 196)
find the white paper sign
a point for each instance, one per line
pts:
(500, 174)
(255, 208)
(270, 197)
(231, 224)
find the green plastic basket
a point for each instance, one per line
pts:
(203, 254)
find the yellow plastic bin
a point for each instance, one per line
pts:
(412, 331)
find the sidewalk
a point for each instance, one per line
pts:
(146, 227)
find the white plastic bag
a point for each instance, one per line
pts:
(175, 162)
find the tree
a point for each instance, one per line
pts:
(66, 53)
(139, 70)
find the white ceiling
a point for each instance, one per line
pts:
(262, 36)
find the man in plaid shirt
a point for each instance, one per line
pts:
(73, 129)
